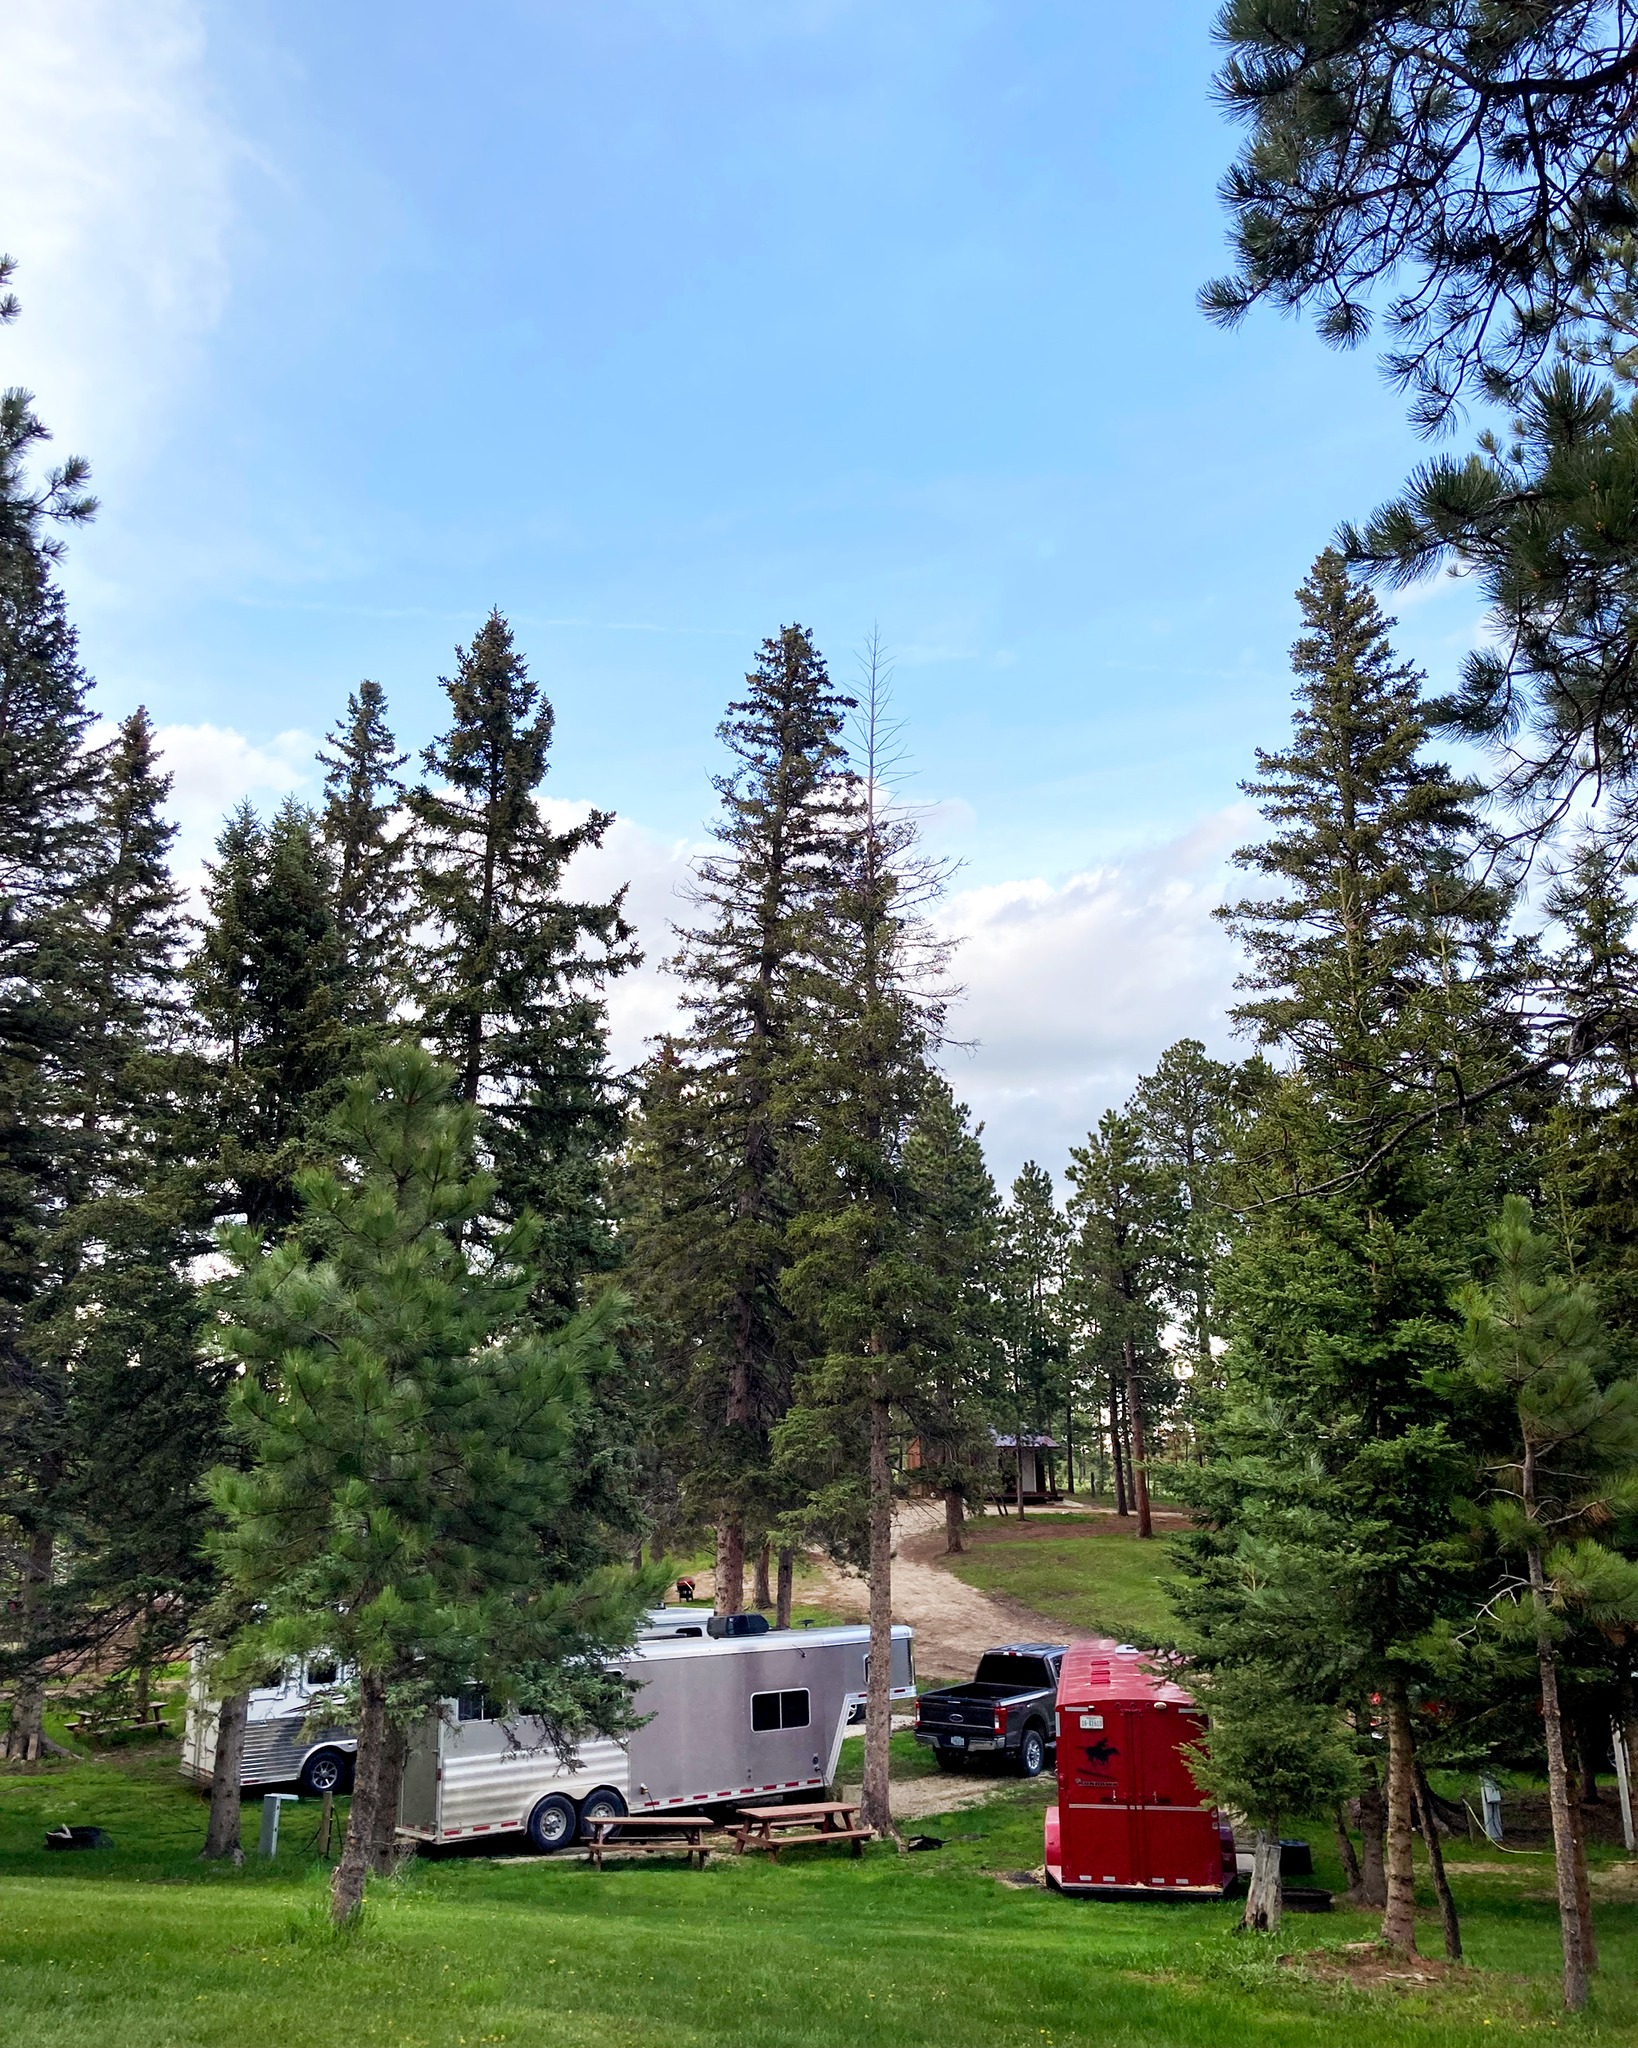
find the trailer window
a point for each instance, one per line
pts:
(778, 1710)
(472, 1706)
(322, 1671)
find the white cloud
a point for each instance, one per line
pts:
(213, 768)
(1074, 987)
(116, 170)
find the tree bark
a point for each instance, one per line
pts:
(1018, 1469)
(1349, 1858)
(954, 1514)
(730, 1580)
(1558, 1800)
(1263, 1901)
(1399, 1914)
(1583, 1891)
(1069, 1447)
(222, 1828)
(786, 1584)
(25, 1728)
(347, 1885)
(1429, 1821)
(762, 1598)
(1121, 1507)
(874, 1808)
(1134, 1417)
(384, 1843)
(1373, 1875)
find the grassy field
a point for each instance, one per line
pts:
(142, 1947)
(1087, 1572)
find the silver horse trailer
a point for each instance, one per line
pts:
(732, 1720)
(287, 1739)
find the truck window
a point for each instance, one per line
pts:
(778, 1710)
(1024, 1674)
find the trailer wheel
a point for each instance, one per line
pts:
(1032, 1753)
(553, 1823)
(326, 1770)
(951, 1759)
(603, 1804)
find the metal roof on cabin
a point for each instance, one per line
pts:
(1030, 1443)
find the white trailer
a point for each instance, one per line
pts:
(733, 1720)
(288, 1736)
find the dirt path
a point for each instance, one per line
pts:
(954, 1623)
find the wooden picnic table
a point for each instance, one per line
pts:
(153, 1718)
(665, 1831)
(773, 1828)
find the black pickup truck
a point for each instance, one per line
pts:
(1006, 1710)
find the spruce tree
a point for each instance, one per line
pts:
(1378, 971)
(47, 837)
(368, 855)
(408, 1433)
(1031, 1311)
(509, 971)
(753, 966)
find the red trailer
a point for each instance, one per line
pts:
(1130, 1820)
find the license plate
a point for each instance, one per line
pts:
(958, 1742)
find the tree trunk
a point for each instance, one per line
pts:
(786, 1583)
(222, 1828)
(1558, 1800)
(1018, 1466)
(1587, 1757)
(954, 1511)
(384, 1844)
(1114, 1450)
(1399, 1914)
(1373, 1875)
(1263, 1900)
(347, 1885)
(874, 1809)
(730, 1595)
(1069, 1447)
(1429, 1821)
(1583, 1891)
(1134, 1417)
(25, 1729)
(762, 1598)
(1348, 1857)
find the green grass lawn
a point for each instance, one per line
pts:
(142, 1947)
(1087, 1572)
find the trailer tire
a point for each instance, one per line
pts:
(603, 1804)
(553, 1824)
(1032, 1750)
(326, 1770)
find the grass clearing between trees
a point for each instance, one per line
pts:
(1089, 1573)
(141, 1946)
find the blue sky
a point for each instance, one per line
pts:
(662, 322)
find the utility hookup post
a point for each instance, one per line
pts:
(1490, 1805)
(1623, 1781)
(327, 1814)
(272, 1801)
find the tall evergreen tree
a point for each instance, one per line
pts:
(1377, 968)
(1034, 1350)
(509, 972)
(47, 841)
(368, 855)
(754, 966)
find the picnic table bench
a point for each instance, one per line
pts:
(650, 1834)
(772, 1828)
(86, 1723)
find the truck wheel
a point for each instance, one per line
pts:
(1032, 1753)
(603, 1804)
(552, 1823)
(326, 1770)
(951, 1759)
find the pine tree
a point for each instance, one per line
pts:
(368, 855)
(1365, 1177)
(508, 978)
(952, 1338)
(47, 780)
(753, 967)
(853, 1279)
(408, 1432)
(1034, 1240)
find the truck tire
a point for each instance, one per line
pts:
(326, 1770)
(1031, 1752)
(553, 1824)
(950, 1759)
(603, 1804)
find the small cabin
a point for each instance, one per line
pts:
(1026, 1466)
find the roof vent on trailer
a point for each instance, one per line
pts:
(737, 1625)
